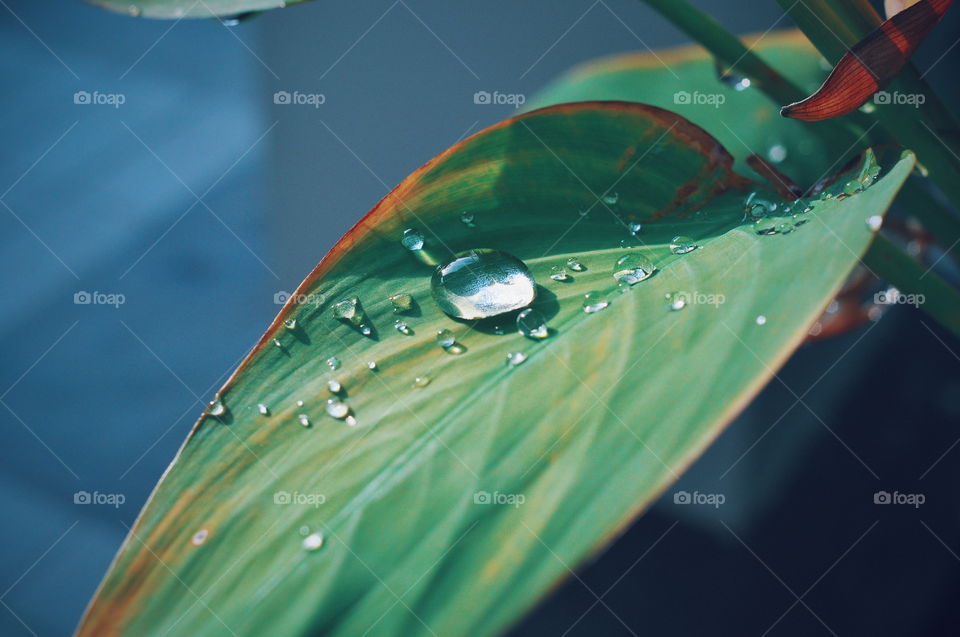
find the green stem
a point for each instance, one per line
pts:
(936, 297)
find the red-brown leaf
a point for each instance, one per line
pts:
(871, 64)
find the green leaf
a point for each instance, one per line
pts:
(745, 121)
(571, 445)
(175, 9)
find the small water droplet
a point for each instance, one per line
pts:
(333, 363)
(304, 530)
(785, 228)
(676, 301)
(134, 11)
(594, 302)
(611, 199)
(366, 330)
(304, 420)
(277, 343)
(761, 320)
(868, 107)
(482, 283)
(777, 153)
(634, 227)
(299, 403)
(402, 327)
(733, 80)
(421, 381)
(263, 409)
(633, 268)
(334, 386)
(313, 541)
(290, 324)
(350, 311)
(217, 408)
(682, 245)
(412, 239)
(584, 213)
(467, 219)
(372, 366)
(515, 358)
(852, 187)
(825, 195)
(574, 264)
(199, 537)
(350, 420)
(765, 227)
(559, 273)
(401, 302)
(448, 342)
(445, 338)
(531, 324)
(874, 222)
(336, 408)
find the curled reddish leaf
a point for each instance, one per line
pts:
(870, 64)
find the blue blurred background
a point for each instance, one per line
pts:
(196, 200)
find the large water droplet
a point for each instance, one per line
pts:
(531, 324)
(313, 541)
(559, 273)
(682, 245)
(633, 268)
(334, 386)
(412, 239)
(481, 283)
(574, 264)
(594, 302)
